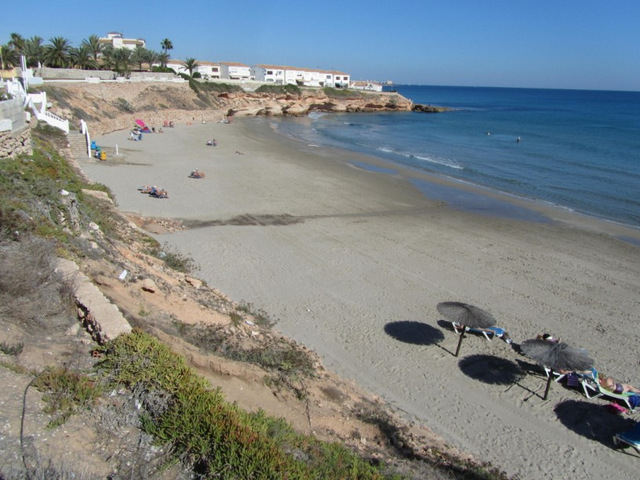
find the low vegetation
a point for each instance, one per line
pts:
(280, 89)
(342, 93)
(212, 436)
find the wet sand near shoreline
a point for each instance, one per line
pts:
(352, 258)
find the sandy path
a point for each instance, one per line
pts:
(359, 262)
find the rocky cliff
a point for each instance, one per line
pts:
(111, 106)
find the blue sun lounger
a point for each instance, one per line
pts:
(488, 333)
(628, 439)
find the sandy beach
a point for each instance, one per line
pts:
(351, 258)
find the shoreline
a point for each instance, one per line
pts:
(504, 204)
(364, 257)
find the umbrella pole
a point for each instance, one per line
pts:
(546, 390)
(460, 341)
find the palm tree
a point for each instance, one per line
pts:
(8, 57)
(190, 64)
(57, 53)
(151, 57)
(120, 60)
(163, 58)
(82, 58)
(166, 45)
(138, 56)
(94, 45)
(17, 43)
(34, 52)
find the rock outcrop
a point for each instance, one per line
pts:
(108, 107)
(428, 108)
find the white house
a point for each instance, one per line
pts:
(282, 75)
(177, 66)
(366, 85)
(234, 71)
(116, 40)
(268, 73)
(208, 69)
(341, 79)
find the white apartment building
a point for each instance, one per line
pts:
(234, 71)
(177, 66)
(208, 69)
(116, 40)
(283, 75)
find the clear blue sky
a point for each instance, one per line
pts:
(584, 44)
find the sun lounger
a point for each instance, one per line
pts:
(592, 389)
(630, 438)
(557, 376)
(488, 333)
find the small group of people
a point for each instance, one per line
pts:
(168, 123)
(135, 135)
(195, 173)
(154, 191)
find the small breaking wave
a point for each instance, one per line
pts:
(439, 161)
(445, 162)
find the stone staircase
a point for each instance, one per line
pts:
(77, 145)
(77, 152)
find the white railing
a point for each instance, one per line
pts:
(53, 120)
(84, 129)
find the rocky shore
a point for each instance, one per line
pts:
(108, 107)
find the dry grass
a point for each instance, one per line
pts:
(32, 293)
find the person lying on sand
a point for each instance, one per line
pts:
(548, 338)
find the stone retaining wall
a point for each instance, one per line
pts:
(13, 110)
(101, 75)
(16, 142)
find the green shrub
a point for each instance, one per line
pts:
(11, 349)
(219, 87)
(342, 93)
(65, 392)
(217, 438)
(175, 260)
(280, 89)
(123, 105)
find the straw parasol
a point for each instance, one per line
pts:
(465, 315)
(557, 356)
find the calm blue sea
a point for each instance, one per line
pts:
(578, 149)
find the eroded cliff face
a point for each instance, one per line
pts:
(108, 107)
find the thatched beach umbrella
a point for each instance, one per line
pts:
(557, 356)
(465, 315)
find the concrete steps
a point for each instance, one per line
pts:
(77, 145)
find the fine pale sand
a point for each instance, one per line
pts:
(352, 259)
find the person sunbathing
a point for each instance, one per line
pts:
(618, 388)
(547, 337)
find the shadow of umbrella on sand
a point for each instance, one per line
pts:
(558, 356)
(466, 316)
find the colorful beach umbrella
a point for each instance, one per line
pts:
(140, 123)
(466, 316)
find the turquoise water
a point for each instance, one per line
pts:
(578, 149)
